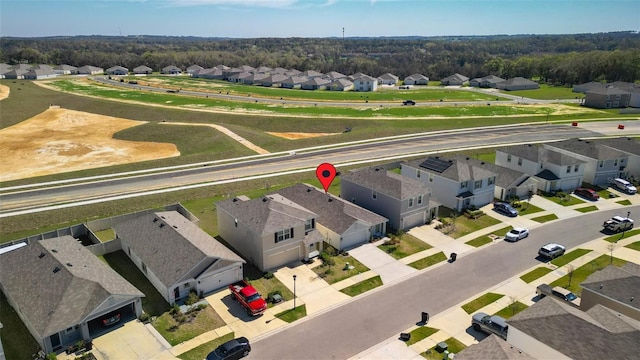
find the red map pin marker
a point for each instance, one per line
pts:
(325, 172)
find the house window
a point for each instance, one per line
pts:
(491, 181)
(410, 202)
(374, 195)
(508, 158)
(477, 184)
(309, 224)
(419, 199)
(568, 169)
(463, 184)
(418, 174)
(615, 162)
(284, 235)
(69, 330)
(601, 163)
(519, 161)
(575, 168)
(430, 177)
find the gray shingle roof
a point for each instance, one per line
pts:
(626, 144)
(462, 169)
(620, 284)
(170, 245)
(588, 148)
(333, 212)
(504, 176)
(578, 334)
(54, 301)
(387, 182)
(268, 214)
(541, 154)
(493, 348)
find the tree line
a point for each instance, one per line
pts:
(553, 59)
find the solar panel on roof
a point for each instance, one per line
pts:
(436, 164)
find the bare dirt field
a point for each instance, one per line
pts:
(4, 92)
(60, 140)
(299, 135)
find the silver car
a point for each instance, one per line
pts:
(516, 234)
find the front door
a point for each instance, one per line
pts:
(176, 293)
(55, 341)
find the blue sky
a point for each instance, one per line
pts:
(315, 18)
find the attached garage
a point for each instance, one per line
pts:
(414, 220)
(569, 184)
(355, 236)
(214, 281)
(277, 258)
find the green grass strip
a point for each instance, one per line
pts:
(569, 257)
(421, 333)
(428, 261)
(535, 274)
(362, 286)
(480, 302)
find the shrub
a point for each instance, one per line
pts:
(192, 298)
(474, 214)
(202, 306)
(268, 275)
(329, 271)
(326, 259)
(175, 309)
(144, 317)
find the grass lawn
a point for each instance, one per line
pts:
(428, 261)
(152, 303)
(566, 200)
(526, 208)
(16, 339)
(420, 333)
(266, 285)
(363, 286)
(545, 218)
(205, 320)
(634, 246)
(580, 274)
(547, 92)
(464, 225)
(535, 274)
(480, 302)
(335, 273)
(406, 245)
(620, 236)
(454, 346)
(587, 209)
(569, 257)
(292, 315)
(201, 351)
(511, 310)
(485, 239)
(624, 202)
(106, 235)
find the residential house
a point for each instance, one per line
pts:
(270, 231)
(293, 72)
(617, 288)
(254, 79)
(342, 224)
(171, 69)
(239, 77)
(365, 83)
(62, 292)
(355, 76)
(193, 69)
(15, 74)
(456, 183)
(630, 147)
(279, 70)
(142, 70)
(4, 68)
(311, 74)
(334, 75)
(553, 170)
(37, 74)
(607, 98)
(590, 86)
(293, 82)
(551, 329)
(509, 182)
(117, 70)
(90, 70)
(274, 80)
(177, 256)
(343, 84)
(416, 79)
(212, 73)
(315, 83)
(602, 163)
(65, 69)
(246, 68)
(489, 81)
(388, 79)
(263, 70)
(494, 348)
(454, 80)
(517, 83)
(404, 201)
(26, 67)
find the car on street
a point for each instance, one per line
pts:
(551, 251)
(408, 102)
(516, 234)
(588, 194)
(490, 324)
(505, 209)
(231, 350)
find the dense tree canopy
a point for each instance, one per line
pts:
(555, 59)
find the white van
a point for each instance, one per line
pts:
(624, 185)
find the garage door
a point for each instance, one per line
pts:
(569, 184)
(413, 220)
(220, 279)
(354, 238)
(277, 259)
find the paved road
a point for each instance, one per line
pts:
(14, 200)
(350, 329)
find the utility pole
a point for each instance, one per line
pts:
(342, 33)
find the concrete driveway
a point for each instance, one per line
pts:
(133, 340)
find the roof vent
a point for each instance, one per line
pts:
(600, 286)
(330, 199)
(265, 199)
(631, 299)
(69, 264)
(56, 269)
(482, 163)
(54, 250)
(162, 225)
(308, 189)
(467, 158)
(175, 227)
(155, 219)
(235, 199)
(41, 255)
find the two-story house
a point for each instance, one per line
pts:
(614, 287)
(456, 183)
(402, 200)
(365, 83)
(552, 169)
(602, 163)
(270, 231)
(630, 147)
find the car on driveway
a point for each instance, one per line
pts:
(516, 234)
(231, 350)
(551, 251)
(408, 102)
(505, 209)
(490, 324)
(588, 194)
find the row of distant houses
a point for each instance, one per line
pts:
(70, 291)
(618, 94)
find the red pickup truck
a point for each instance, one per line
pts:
(248, 297)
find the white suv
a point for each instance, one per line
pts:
(625, 186)
(551, 251)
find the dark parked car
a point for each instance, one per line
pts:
(490, 324)
(587, 194)
(408, 102)
(505, 208)
(231, 350)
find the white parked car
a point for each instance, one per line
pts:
(516, 234)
